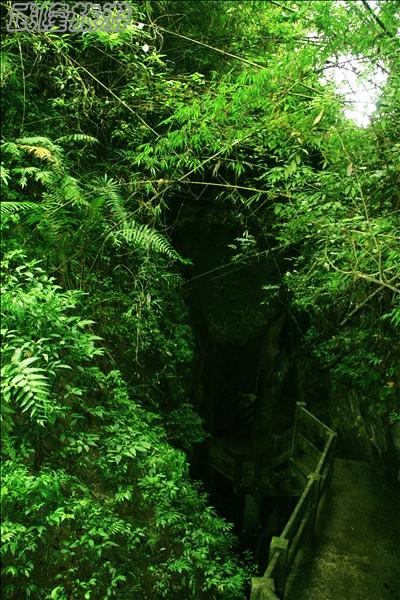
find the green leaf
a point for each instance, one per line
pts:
(318, 117)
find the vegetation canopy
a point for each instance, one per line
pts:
(122, 154)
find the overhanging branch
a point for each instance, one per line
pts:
(377, 19)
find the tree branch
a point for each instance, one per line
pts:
(377, 281)
(359, 307)
(377, 19)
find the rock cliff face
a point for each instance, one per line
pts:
(363, 436)
(250, 371)
(242, 339)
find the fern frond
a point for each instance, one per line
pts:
(23, 173)
(146, 238)
(44, 177)
(40, 141)
(39, 152)
(9, 208)
(108, 190)
(71, 192)
(12, 149)
(4, 175)
(63, 190)
(28, 386)
(25, 170)
(78, 137)
(41, 147)
(117, 527)
(54, 219)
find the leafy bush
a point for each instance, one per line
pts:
(96, 504)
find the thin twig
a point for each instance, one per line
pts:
(205, 183)
(362, 304)
(230, 264)
(235, 56)
(72, 60)
(23, 87)
(377, 281)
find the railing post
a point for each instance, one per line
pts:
(299, 406)
(283, 549)
(315, 503)
(280, 545)
(331, 460)
(262, 588)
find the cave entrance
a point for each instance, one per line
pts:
(234, 390)
(256, 518)
(232, 384)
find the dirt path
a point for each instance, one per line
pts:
(356, 553)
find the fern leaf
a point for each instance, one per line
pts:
(108, 191)
(9, 208)
(28, 386)
(41, 147)
(71, 191)
(63, 190)
(39, 152)
(11, 149)
(146, 238)
(44, 177)
(4, 175)
(78, 137)
(41, 141)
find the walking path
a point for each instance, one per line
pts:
(356, 552)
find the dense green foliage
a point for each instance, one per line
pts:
(81, 453)
(103, 132)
